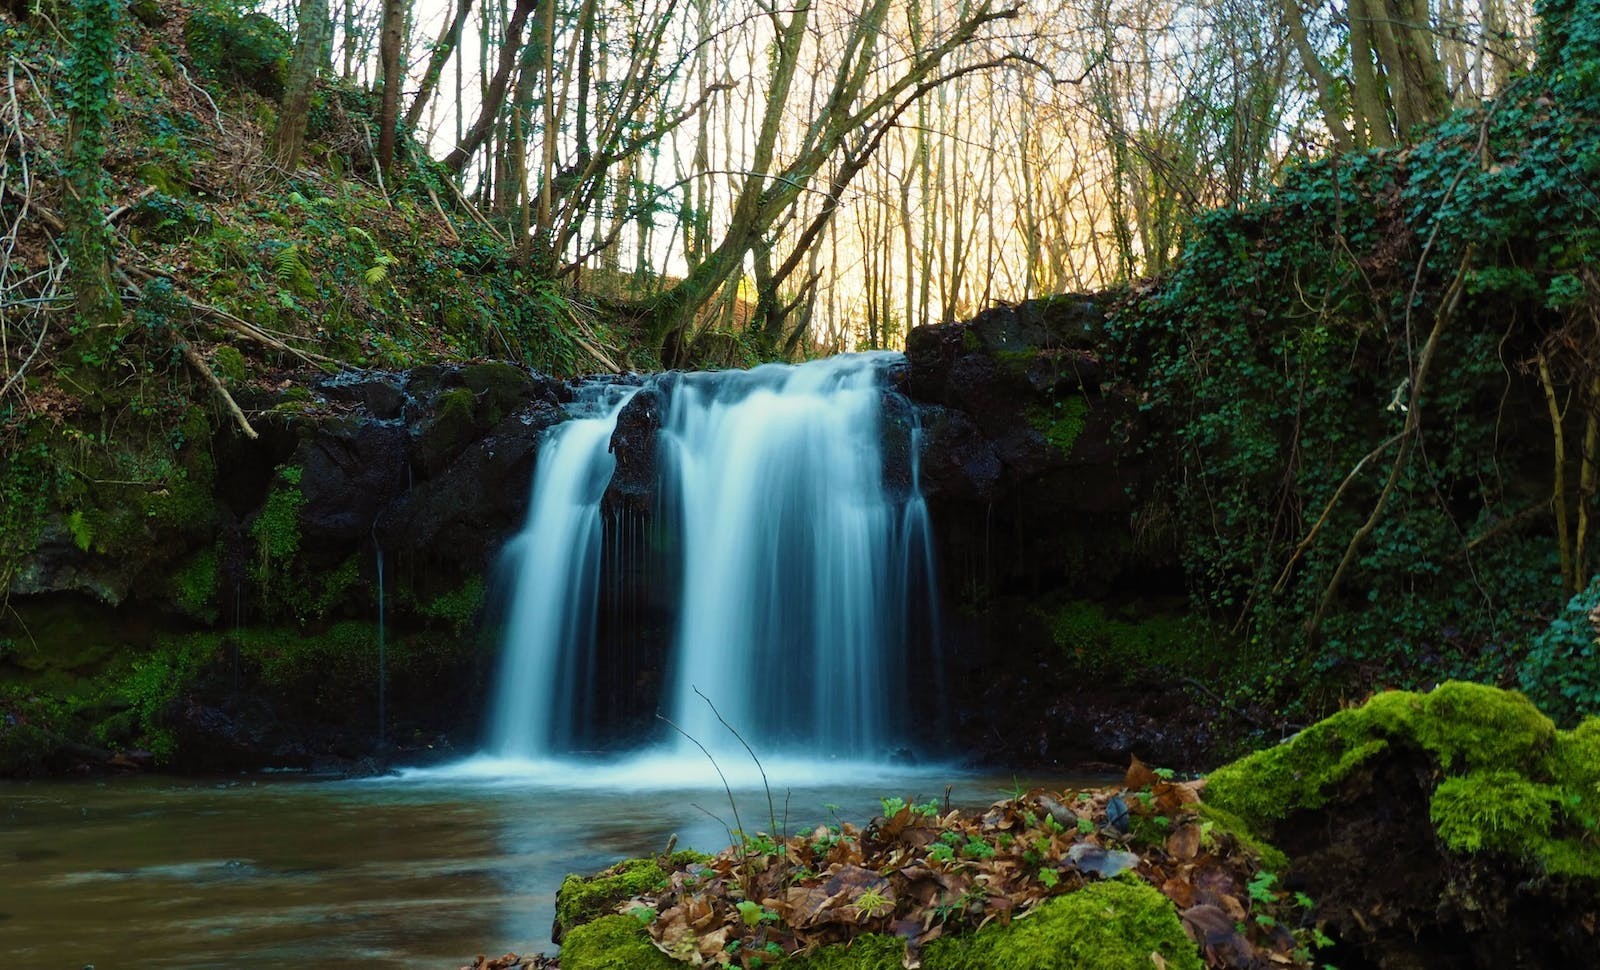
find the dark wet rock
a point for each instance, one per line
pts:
(59, 565)
(465, 512)
(351, 470)
(634, 445)
(379, 392)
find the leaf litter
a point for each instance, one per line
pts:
(922, 871)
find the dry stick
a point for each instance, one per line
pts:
(1408, 435)
(732, 802)
(202, 92)
(1283, 577)
(1588, 469)
(221, 392)
(449, 227)
(772, 813)
(1558, 498)
(376, 168)
(474, 213)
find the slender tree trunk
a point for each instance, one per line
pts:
(494, 95)
(446, 45)
(310, 37)
(389, 44)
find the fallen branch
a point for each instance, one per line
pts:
(1408, 437)
(221, 392)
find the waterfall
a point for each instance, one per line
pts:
(787, 623)
(548, 657)
(800, 577)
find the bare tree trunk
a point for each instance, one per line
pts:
(310, 37)
(446, 45)
(494, 95)
(389, 44)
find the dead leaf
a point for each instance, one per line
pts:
(1184, 842)
(1139, 776)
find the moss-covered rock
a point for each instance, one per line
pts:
(582, 899)
(612, 943)
(1488, 816)
(1459, 725)
(1115, 925)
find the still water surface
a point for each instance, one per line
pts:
(418, 872)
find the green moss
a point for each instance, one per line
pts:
(229, 363)
(458, 608)
(1512, 784)
(277, 526)
(153, 682)
(1298, 774)
(1482, 727)
(873, 951)
(82, 532)
(1218, 823)
(457, 404)
(333, 586)
(1113, 646)
(194, 586)
(1061, 423)
(1114, 925)
(1496, 810)
(612, 943)
(580, 899)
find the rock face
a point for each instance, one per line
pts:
(1009, 421)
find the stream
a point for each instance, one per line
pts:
(424, 870)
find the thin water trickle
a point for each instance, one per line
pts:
(383, 673)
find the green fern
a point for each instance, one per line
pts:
(379, 271)
(287, 266)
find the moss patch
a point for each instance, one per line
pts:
(1125, 646)
(1113, 925)
(612, 943)
(1509, 782)
(580, 899)
(1061, 423)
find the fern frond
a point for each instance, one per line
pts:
(287, 266)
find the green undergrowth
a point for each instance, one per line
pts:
(1134, 641)
(1113, 925)
(1364, 530)
(1507, 781)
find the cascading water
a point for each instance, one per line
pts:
(549, 645)
(793, 563)
(799, 575)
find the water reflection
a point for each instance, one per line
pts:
(283, 872)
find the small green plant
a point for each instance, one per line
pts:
(754, 914)
(872, 904)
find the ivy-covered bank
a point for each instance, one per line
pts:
(1487, 815)
(1376, 402)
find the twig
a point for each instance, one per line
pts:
(377, 169)
(1452, 299)
(222, 392)
(732, 802)
(772, 813)
(1283, 577)
(449, 227)
(120, 210)
(215, 113)
(475, 214)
